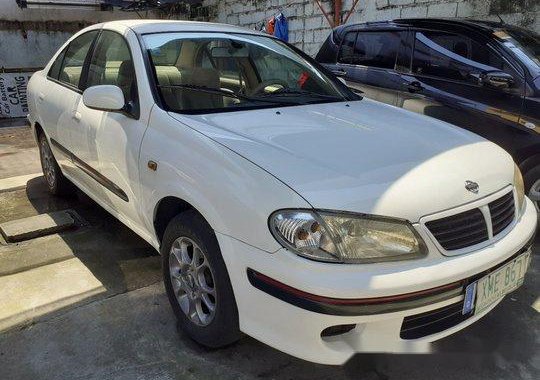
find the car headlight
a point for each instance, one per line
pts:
(346, 238)
(519, 185)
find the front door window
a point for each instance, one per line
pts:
(111, 64)
(454, 57)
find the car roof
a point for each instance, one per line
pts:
(156, 26)
(478, 25)
(486, 28)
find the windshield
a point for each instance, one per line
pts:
(525, 44)
(214, 72)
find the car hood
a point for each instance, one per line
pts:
(362, 156)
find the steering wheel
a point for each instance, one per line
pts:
(265, 83)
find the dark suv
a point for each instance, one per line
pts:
(482, 76)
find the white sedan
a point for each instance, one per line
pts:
(284, 205)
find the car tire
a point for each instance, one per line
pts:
(532, 179)
(56, 182)
(189, 289)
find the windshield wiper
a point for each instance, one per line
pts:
(224, 92)
(291, 91)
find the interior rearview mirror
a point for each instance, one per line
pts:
(229, 52)
(497, 79)
(104, 97)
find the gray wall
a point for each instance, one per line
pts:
(29, 37)
(30, 51)
(308, 27)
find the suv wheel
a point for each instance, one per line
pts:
(197, 282)
(532, 183)
(534, 194)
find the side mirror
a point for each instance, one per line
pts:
(497, 79)
(104, 98)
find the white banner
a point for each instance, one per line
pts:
(13, 96)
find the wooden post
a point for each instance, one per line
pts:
(338, 4)
(337, 12)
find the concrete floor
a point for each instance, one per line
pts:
(17, 149)
(117, 324)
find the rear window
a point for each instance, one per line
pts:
(373, 49)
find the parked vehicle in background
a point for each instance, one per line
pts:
(482, 76)
(284, 205)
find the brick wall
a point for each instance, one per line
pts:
(308, 28)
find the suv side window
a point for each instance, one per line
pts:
(73, 59)
(455, 57)
(346, 52)
(111, 64)
(373, 49)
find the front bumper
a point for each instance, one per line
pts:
(297, 330)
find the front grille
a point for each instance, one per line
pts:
(432, 322)
(502, 212)
(469, 228)
(459, 230)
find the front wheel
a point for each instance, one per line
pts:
(197, 282)
(532, 183)
(56, 182)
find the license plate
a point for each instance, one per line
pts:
(484, 292)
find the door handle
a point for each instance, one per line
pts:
(76, 115)
(415, 86)
(339, 73)
(41, 96)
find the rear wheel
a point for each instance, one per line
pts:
(197, 282)
(56, 182)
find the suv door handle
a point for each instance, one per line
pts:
(415, 86)
(41, 96)
(339, 73)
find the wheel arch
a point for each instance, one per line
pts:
(37, 130)
(530, 162)
(166, 209)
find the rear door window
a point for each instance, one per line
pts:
(373, 49)
(74, 58)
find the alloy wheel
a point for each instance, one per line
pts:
(47, 162)
(192, 281)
